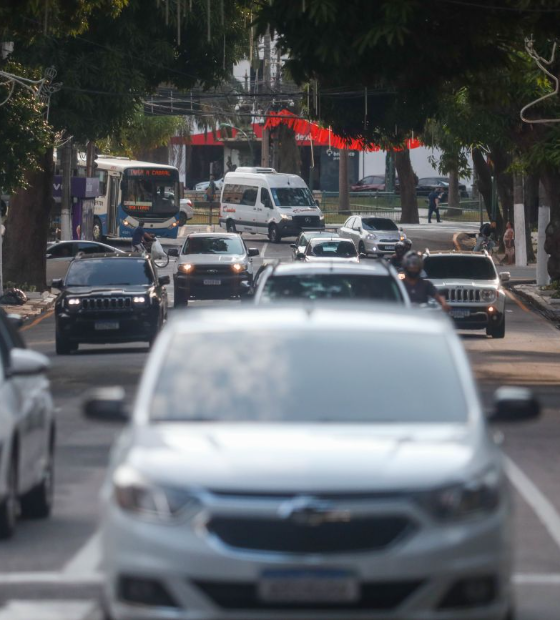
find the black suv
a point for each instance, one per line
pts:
(109, 298)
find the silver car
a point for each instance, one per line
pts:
(373, 236)
(291, 461)
(61, 254)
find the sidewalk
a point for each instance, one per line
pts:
(36, 304)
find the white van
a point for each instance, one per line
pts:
(261, 200)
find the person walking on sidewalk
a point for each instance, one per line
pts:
(509, 243)
(433, 202)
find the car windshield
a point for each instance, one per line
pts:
(305, 376)
(378, 223)
(333, 249)
(331, 286)
(305, 239)
(213, 245)
(461, 267)
(109, 272)
(292, 197)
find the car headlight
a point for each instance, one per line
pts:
(488, 295)
(238, 267)
(73, 302)
(402, 238)
(186, 268)
(134, 493)
(140, 299)
(285, 217)
(371, 237)
(477, 497)
(321, 217)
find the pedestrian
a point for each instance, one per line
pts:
(141, 237)
(509, 243)
(433, 202)
(211, 190)
(486, 235)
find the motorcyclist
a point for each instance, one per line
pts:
(407, 244)
(419, 290)
(396, 259)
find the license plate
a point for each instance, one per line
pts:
(212, 282)
(106, 325)
(308, 586)
(390, 248)
(459, 314)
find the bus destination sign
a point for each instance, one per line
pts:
(148, 172)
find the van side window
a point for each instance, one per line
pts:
(232, 193)
(249, 196)
(265, 198)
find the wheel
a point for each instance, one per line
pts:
(181, 219)
(97, 230)
(274, 233)
(362, 248)
(230, 226)
(64, 346)
(497, 331)
(161, 261)
(181, 298)
(9, 509)
(37, 504)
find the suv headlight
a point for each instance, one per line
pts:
(285, 217)
(133, 493)
(139, 299)
(488, 295)
(479, 496)
(239, 267)
(186, 268)
(73, 302)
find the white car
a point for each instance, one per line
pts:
(321, 249)
(27, 432)
(201, 187)
(290, 461)
(61, 254)
(187, 211)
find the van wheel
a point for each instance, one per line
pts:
(274, 234)
(230, 226)
(9, 508)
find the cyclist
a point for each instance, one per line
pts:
(141, 238)
(486, 235)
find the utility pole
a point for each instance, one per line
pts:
(90, 158)
(265, 150)
(66, 197)
(343, 187)
(542, 257)
(519, 218)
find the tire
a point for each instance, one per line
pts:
(180, 299)
(9, 508)
(497, 331)
(274, 234)
(181, 219)
(162, 262)
(37, 504)
(64, 346)
(362, 248)
(97, 230)
(230, 226)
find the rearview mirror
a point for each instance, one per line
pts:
(253, 252)
(106, 405)
(27, 363)
(505, 276)
(514, 404)
(57, 283)
(163, 280)
(173, 252)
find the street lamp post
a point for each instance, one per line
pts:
(249, 141)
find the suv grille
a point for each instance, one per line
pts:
(287, 536)
(307, 221)
(107, 304)
(461, 295)
(213, 269)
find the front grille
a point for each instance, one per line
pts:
(382, 596)
(307, 221)
(289, 536)
(461, 295)
(393, 241)
(106, 304)
(213, 269)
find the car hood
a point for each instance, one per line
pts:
(305, 457)
(105, 291)
(451, 282)
(332, 259)
(212, 259)
(385, 234)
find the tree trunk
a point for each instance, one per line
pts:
(453, 191)
(484, 179)
(407, 182)
(504, 182)
(289, 159)
(532, 198)
(343, 186)
(551, 181)
(27, 228)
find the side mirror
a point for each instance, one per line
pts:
(253, 252)
(300, 255)
(27, 363)
(514, 404)
(293, 246)
(173, 252)
(505, 276)
(57, 283)
(106, 405)
(163, 280)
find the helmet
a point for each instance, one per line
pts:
(412, 264)
(407, 244)
(400, 248)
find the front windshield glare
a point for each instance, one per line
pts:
(318, 376)
(293, 197)
(109, 272)
(469, 267)
(378, 223)
(213, 245)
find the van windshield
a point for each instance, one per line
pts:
(292, 197)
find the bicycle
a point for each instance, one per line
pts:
(160, 258)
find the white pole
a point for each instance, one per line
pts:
(542, 257)
(519, 217)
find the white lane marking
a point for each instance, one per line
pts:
(48, 610)
(540, 504)
(87, 560)
(265, 246)
(536, 579)
(49, 578)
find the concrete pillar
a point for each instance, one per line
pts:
(519, 219)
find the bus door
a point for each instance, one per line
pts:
(112, 206)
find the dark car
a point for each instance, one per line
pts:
(109, 298)
(372, 183)
(427, 185)
(213, 266)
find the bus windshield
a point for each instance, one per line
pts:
(150, 192)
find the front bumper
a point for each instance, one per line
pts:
(208, 581)
(291, 228)
(230, 285)
(380, 248)
(475, 316)
(133, 326)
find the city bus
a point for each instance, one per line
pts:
(131, 191)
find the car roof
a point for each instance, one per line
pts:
(353, 316)
(375, 268)
(111, 256)
(453, 253)
(214, 234)
(317, 240)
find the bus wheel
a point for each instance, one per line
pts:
(97, 230)
(181, 219)
(230, 226)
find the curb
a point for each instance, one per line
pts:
(33, 307)
(537, 301)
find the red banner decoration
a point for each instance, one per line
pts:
(305, 130)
